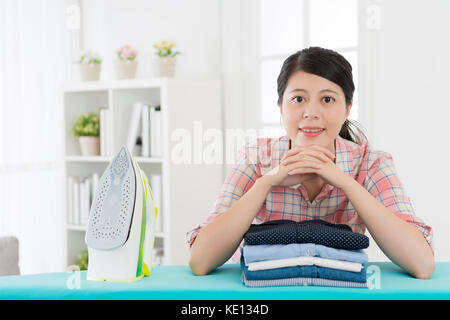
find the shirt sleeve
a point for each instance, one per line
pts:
(384, 184)
(240, 179)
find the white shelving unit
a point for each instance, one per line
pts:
(188, 189)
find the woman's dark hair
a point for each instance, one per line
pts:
(327, 64)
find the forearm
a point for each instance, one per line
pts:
(217, 241)
(398, 239)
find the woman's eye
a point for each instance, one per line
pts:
(328, 99)
(298, 99)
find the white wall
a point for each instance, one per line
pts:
(193, 25)
(240, 66)
(409, 109)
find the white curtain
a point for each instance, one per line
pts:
(33, 67)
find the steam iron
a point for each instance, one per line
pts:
(121, 226)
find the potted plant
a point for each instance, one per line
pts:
(89, 66)
(87, 129)
(83, 260)
(164, 63)
(125, 65)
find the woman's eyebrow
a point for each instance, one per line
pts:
(328, 90)
(323, 90)
(298, 90)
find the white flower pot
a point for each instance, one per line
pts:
(90, 146)
(89, 72)
(164, 67)
(125, 69)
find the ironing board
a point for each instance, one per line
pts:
(179, 283)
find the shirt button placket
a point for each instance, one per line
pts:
(310, 212)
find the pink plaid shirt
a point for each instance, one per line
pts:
(374, 170)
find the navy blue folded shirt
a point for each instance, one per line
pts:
(339, 236)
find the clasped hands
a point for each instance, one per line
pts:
(303, 163)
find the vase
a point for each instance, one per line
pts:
(90, 146)
(125, 69)
(164, 66)
(89, 72)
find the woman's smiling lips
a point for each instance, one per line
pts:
(311, 134)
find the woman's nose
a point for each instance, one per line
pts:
(311, 111)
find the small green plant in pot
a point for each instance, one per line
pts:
(87, 129)
(83, 260)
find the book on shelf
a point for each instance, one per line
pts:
(134, 125)
(146, 124)
(155, 131)
(105, 131)
(80, 194)
(158, 256)
(75, 218)
(84, 202)
(70, 199)
(145, 134)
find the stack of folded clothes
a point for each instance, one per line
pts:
(311, 252)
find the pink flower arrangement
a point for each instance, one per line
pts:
(126, 53)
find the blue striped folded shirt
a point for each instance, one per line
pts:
(264, 252)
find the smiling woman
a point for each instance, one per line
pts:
(320, 169)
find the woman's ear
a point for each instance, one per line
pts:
(349, 108)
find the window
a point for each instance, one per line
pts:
(290, 25)
(31, 147)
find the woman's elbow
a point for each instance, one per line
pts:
(426, 270)
(197, 269)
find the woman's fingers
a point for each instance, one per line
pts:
(306, 155)
(305, 162)
(297, 149)
(324, 150)
(303, 167)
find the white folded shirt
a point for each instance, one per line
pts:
(305, 261)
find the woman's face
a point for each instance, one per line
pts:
(313, 101)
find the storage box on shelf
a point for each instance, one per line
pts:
(184, 192)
